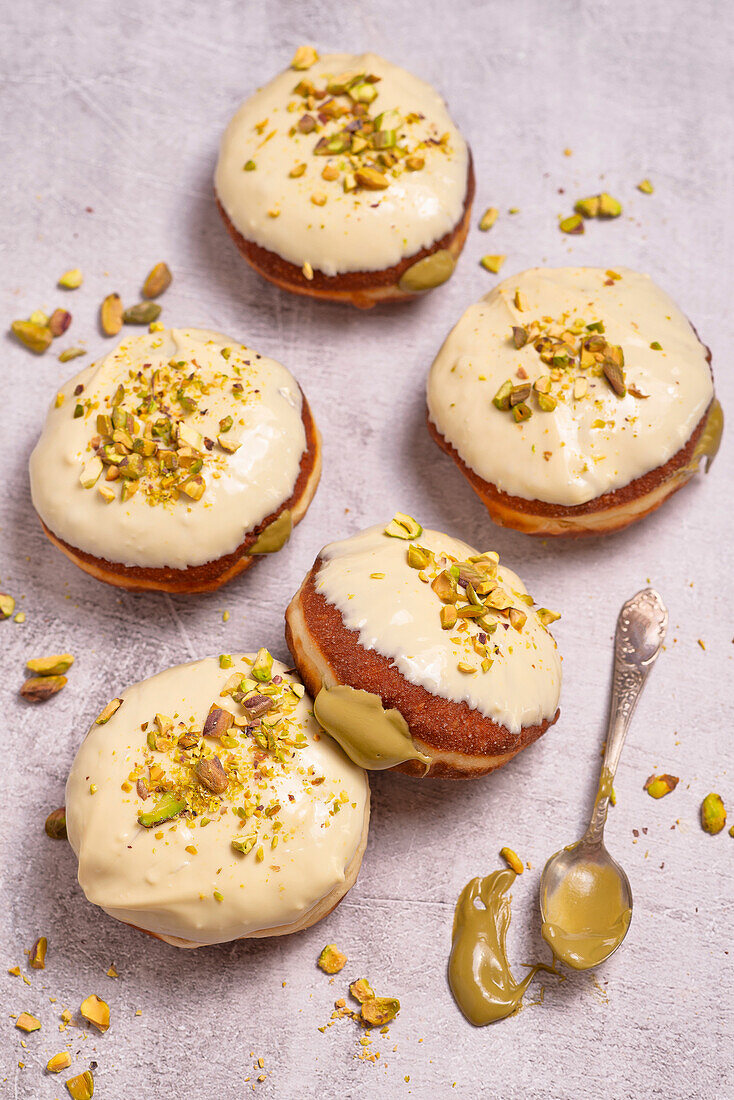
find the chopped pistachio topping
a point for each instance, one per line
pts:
(574, 224)
(68, 354)
(37, 954)
(331, 960)
(36, 337)
(304, 58)
(402, 526)
(58, 1062)
(379, 1011)
(361, 990)
(7, 605)
(157, 281)
(646, 187)
(81, 1087)
(104, 716)
(110, 315)
(27, 1023)
(37, 689)
(55, 825)
(488, 218)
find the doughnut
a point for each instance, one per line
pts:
(423, 655)
(205, 805)
(175, 462)
(574, 400)
(345, 178)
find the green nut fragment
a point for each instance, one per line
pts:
(110, 315)
(59, 322)
(371, 180)
(418, 557)
(362, 991)
(501, 399)
(218, 720)
(225, 660)
(157, 280)
(512, 860)
(37, 954)
(574, 225)
(169, 806)
(249, 166)
(142, 313)
(72, 279)
(27, 1023)
(614, 376)
(81, 1087)
(35, 337)
(488, 218)
(713, 813)
(449, 616)
(331, 960)
(657, 786)
(262, 668)
(402, 526)
(646, 187)
(521, 412)
(37, 689)
(244, 844)
(547, 617)
(55, 825)
(588, 208)
(7, 605)
(228, 445)
(68, 354)
(96, 1011)
(429, 272)
(379, 1011)
(274, 537)
(519, 336)
(304, 58)
(111, 708)
(59, 1062)
(492, 263)
(55, 665)
(609, 207)
(225, 424)
(546, 402)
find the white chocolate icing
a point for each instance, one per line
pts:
(241, 488)
(398, 615)
(361, 230)
(564, 456)
(152, 881)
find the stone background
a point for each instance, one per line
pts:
(111, 118)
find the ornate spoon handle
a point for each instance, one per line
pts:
(641, 628)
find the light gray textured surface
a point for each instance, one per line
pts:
(118, 107)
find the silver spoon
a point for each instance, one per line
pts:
(583, 879)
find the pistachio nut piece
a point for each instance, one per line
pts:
(27, 1023)
(37, 689)
(262, 668)
(68, 354)
(588, 208)
(35, 337)
(657, 786)
(218, 721)
(331, 960)
(244, 844)
(492, 263)
(573, 225)
(211, 774)
(402, 526)
(81, 1087)
(7, 605)
(380, 1011)
(110, 315)
(112, 707)
(256, 706)
(157, 280)
(142, 313)
(55, 825)
(646, 187)
(72, 279)
(418, 557)
(371, 179)
(512, 860)
(167, 807)
(96, 1011)
(713, 813)
(361, 990)
(37, 954)
(547, 616)
(59, 1062)
(55, 665)
(429, 272)
(59, 322)
(609, 207)
(274, 537)
(304, 58)
(489, 217)
(614, 376)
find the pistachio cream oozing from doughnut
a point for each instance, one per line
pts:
(254, 859)
(398, 614)
(230, 417)
(371, 736)
(589, 439)
(269, 175)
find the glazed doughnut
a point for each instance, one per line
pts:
(345, 178)
(205, 805)
(574, 400)
(175, 462)
(422, 654)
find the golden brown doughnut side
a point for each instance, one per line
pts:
(606, 513)
(212, 574)
(363, 289)
(462, 742)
